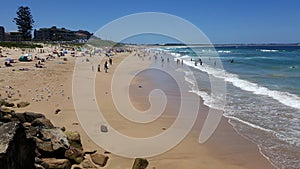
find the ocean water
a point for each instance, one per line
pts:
(262, 93)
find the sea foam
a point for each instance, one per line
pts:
(285, 98)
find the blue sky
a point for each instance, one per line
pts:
(223, 21)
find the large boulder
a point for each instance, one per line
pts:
(4, 102)
(21, 117)
(54, 163)
(6, 115)
(16, 151)
(74, 139)
(42, 122)
(29, 116)
(99, 159)
(8, 104)
(52, 142)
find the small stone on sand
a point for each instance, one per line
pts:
(103, 129)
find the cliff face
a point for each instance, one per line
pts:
(16, 151)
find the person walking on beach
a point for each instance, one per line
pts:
(105, 66)
(99, 68)
(110, 61)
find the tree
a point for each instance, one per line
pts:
(24, 21)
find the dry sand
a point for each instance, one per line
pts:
(225, 149)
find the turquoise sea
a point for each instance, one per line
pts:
(262, 93)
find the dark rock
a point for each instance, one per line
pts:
(57, 111)
(44, 146)
(4, 112)
(75, 155)
(52, 142)
(63, 129)
(57, 163)
(21, 117)
(42, 122)
(29, 116)
(8, 104)
(87, 164)
(103, 128)
(6, 118)
(23, 104)
(16, 151)
(140, 163)
(32, 132)
(90, 152)
(99, 159)
(4, 102)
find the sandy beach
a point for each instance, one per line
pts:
(50, 88)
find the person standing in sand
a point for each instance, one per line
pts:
(99, 68)
(105, 66)
(110, 61)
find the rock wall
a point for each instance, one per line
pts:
(16, 151)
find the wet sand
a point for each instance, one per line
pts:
(225, 149)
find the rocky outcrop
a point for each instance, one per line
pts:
(42, 122)
(16, 151)
(52, 142)
(30, 116)
(29, 140)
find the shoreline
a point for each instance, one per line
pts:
(218, 152)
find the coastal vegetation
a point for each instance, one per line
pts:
(24, 21)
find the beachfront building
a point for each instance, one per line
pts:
(60, 34)
(13, 36)
(2, 33)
